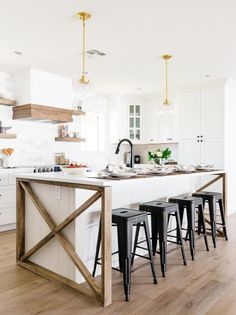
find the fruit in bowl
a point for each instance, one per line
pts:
(75, 168)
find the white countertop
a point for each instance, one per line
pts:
(75, 179)
(16, 170)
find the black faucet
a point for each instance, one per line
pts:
(131, 150)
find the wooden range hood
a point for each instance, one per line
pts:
(43, 113)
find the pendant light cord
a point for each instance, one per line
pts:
(83, 66)
(166, 79)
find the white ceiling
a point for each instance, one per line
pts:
(134, 33)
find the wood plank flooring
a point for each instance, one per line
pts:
(205, 286)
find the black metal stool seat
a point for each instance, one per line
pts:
(160, 213)
(190, 204)
(124, 219)
(212, 198)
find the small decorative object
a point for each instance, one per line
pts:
(159, 156)
(7, 160)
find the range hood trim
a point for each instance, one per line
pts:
(34, 112)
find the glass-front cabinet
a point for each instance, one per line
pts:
(135, 122)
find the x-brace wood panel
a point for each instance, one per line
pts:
(103, 291)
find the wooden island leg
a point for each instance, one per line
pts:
(106, 278)
(20, 221)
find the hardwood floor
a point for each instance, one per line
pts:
(205, 286)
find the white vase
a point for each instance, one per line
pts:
(7, 161)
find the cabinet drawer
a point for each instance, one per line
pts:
(12, 179)
(7, 196)
(7, 215)
(4, 179)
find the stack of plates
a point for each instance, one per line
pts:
(122, 174)
(204, 167)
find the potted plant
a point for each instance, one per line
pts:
(159, 156)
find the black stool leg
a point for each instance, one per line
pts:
(147, 234)
(154, 225)
(162, 229)
(212, 212)
(135, 242)
(222, 213)
(180, 236)
(201, 214)
(200, 219)
(190, 229)
(125, 252)
(181, 216)
(97, 250)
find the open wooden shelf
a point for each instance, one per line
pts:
(7, 102)
(69, 139)
(7, 136)
(78, 113)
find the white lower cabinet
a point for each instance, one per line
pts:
(8, 198)
(7, 215)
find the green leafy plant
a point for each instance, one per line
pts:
(159, 154)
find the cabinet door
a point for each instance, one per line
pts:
(212, 101)
(212, 152)
(190, 115)
(190, 152)
(147, 123)
(165, 128)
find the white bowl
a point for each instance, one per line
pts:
(75, 170)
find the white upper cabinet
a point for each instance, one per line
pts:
(190, 114)
(140, 120)
(166, 128)
(212, 101)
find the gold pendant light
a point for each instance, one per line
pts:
(167, 101)
(84, 16)
(84, 94)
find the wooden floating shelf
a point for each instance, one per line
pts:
(78, 113)
(7, 136)
(69, 139)
(42, 113)
(7, 102)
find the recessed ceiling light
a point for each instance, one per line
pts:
(139, 89)
(18, 53)
(207, 75)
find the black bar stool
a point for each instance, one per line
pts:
(160, 214)
(212, 198)
(124, 219)
(190, 204)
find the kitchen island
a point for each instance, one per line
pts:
(58, 217)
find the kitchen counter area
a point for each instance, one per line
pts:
(58, 217)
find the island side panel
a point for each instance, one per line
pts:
(60, 202)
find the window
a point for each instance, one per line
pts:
(92, 127)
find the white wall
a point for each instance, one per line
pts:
(230, 143)
(35, 144)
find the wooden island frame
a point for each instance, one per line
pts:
(103, 290)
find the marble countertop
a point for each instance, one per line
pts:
(75, 179)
